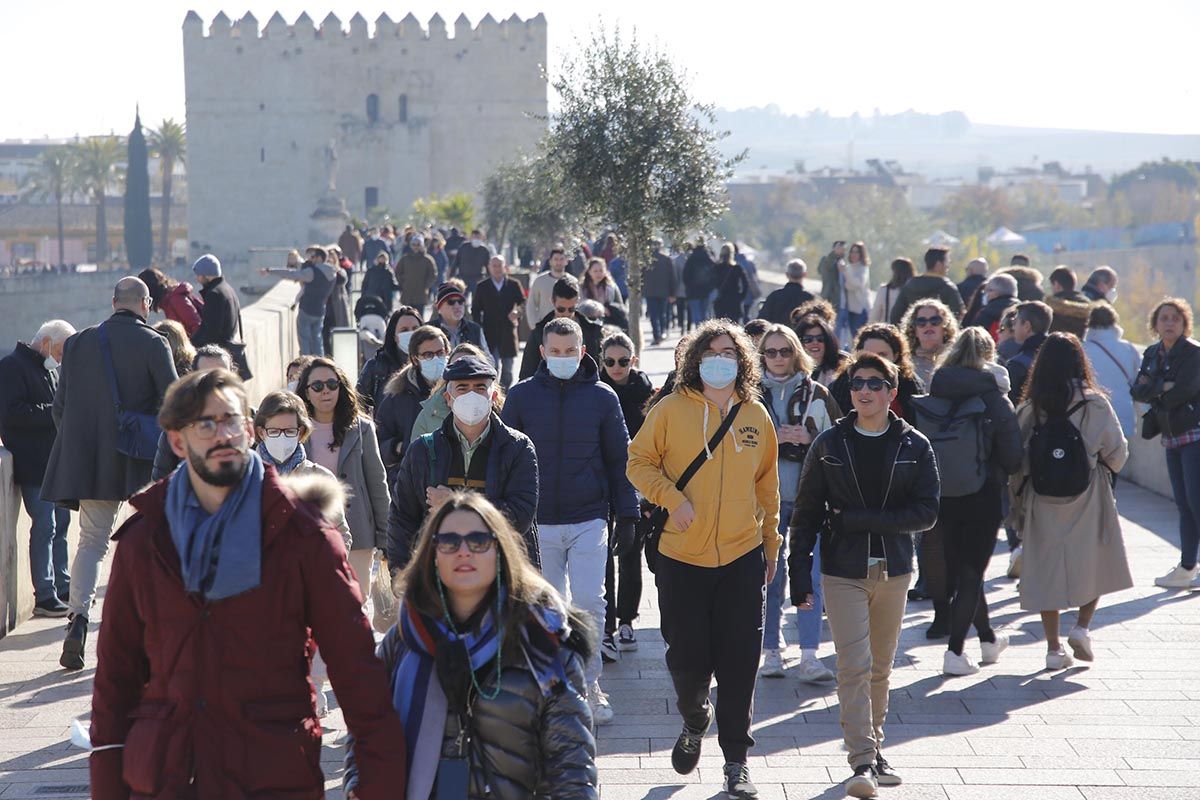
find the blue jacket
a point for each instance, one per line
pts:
(512, 486)
(582, 444)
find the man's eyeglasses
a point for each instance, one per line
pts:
(612, 362)
(207, 427)
(818, 339)
(330, 385)
(275, 433)
(874, 384)
(455, 301)
(782, 352)
(477, 542)
(934, 321)
(431, 356)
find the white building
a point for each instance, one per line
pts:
(409, 112)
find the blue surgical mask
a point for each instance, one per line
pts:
(562, 367)
(718, 372)
(402, 340)
(432, 369)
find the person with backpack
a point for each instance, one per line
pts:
(1063, 496)
(974, 433)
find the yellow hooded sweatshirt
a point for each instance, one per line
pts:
(740, 477)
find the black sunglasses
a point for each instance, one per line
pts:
(935, 320)
(874, 384)
(612, 362)
(782, 352)
(819, 338)
(477, 542)
(331, 385)
(455, 301)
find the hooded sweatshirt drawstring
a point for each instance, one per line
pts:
(708, 453)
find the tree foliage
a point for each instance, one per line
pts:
(51, 180)
(526, 202)
(139, 236)
(96, 165)
(453, 210)
(169, 144)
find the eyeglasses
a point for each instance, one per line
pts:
(275, 433)
(782, 352)
(455, 301)
(431, 356)
(477, 542)
(874, 384)
(612, 362)
(818, 339)
(935, 321)
(207, 427)
(330, 385)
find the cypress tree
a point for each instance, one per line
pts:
(139, 237)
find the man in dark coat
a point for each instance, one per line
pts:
(565, 296)
(659, 287)
(1000, 294)
(699, 281)
(495, 307)
(85, 470)
(223, 584)
(374, 245)
(450, 317)
(780, 304)
(28, 379)
(1033, 323)
(350, 243)
(380, 282)
(977, 269)
(222, 309)
(933, 284)
(471, 260)
(474, 450)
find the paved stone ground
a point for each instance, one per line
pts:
(1125, 728)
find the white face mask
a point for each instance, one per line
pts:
(282, 446)
(402, 340)
(49, 363)
(471, 408)
(291, 386)
(1111, 295)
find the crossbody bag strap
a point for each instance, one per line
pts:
(713, 444)
(241, 336)
(106, 353)
(1113, 358)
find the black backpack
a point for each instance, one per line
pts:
(960, 432)
(1058, 461)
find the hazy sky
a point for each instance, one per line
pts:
(79, 66)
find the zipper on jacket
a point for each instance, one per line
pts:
(562, 400)
(887, 492)
(861, 497)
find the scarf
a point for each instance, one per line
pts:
(216, 565)
(417, 694)
(294, 460)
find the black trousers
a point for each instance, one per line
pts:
(712, 622)
(968, 540)
(623, 599)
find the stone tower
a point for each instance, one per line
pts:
(410, 111)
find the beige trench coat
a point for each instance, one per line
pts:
(1073, 549)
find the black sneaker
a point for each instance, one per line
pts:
(884, 775)
(608, 649)
(686, 753)
(72, 652)
(64, 597)
(737, 781)
(51, 607)
(862, 783)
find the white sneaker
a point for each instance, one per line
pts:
(1059, 659)
(813, 671)
(322, 702)
(626, 641)
(772, 665)
(1014, 563)
(955, 664)
(1177, 578)
(990, 651)
(1081, 644)
(602, 712)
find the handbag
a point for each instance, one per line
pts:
(383, 600)
(137, 433)
(654, 519)
(237, 352)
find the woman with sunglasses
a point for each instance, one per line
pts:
(486, 665)
(343, 441)
(404, 393)
(821, 344)
(885, 341)
(930, 329)
(800, 408)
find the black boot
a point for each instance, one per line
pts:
(940, 627)
(72, 652)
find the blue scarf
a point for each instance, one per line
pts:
(417, 693)
(294, 460)
(214, 564)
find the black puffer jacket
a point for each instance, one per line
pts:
(829, 480)
(1177, 409)
(395, 414)
(525, 746)
(633, 396)
(387, 361)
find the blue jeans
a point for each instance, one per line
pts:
(47, 544)
(697, 311)
(656, 309)
(808, 623)
(506, 367)
(1183, 465)
(308, 328)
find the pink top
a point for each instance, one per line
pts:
(318, 446)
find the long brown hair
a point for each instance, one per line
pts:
(346, 412)
(182, 352)
(1059, 370)
(749, 373)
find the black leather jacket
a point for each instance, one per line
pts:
(1176, 410)
(829, 480)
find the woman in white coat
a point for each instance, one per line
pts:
(1114, 360)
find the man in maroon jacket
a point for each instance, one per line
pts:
(220, 585)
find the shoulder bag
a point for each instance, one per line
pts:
(137, 434)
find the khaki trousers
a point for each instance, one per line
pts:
(865, 616)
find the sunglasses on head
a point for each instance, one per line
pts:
(818, 339)
(330, 385)
(612, 362)
(874, 384)
(782, 352)
(935, 320)
(477, 542)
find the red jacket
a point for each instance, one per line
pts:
(184, 306)
(213, 700)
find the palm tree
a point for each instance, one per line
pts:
(51, 180)
(97, 166)
(169, 144)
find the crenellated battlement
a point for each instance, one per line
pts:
(358, 28)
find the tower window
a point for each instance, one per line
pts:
(372, 108)
(262, 155)
(371, 197)
(403, 108)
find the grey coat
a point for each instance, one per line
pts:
(360, 468)
(84, 462)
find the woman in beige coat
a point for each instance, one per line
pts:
(1074, 552)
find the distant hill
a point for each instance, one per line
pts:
(935, 145)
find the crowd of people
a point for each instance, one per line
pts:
(500, 529)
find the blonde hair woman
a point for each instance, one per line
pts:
(929, 327)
